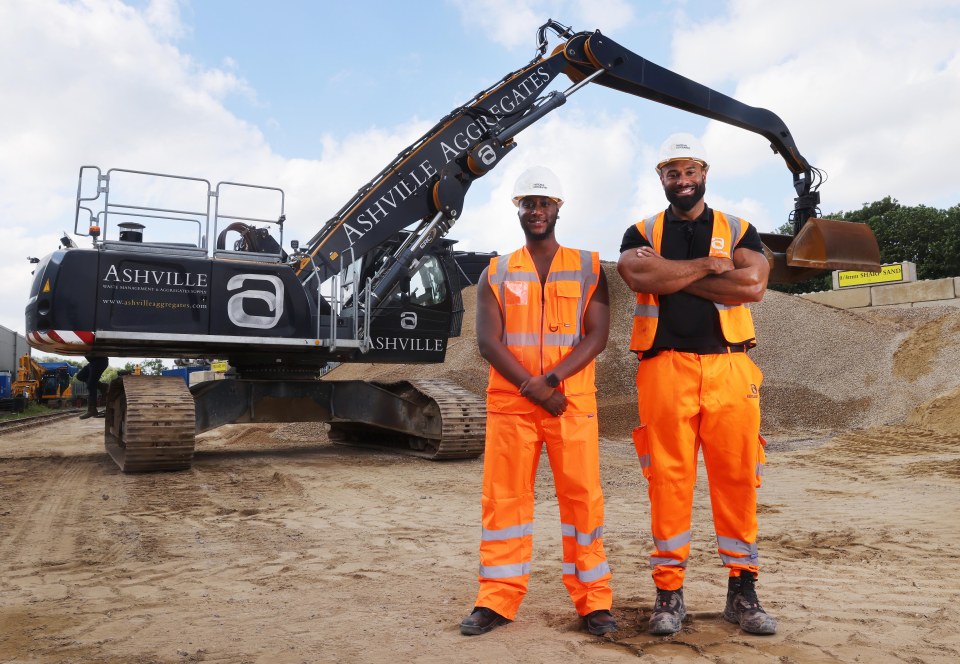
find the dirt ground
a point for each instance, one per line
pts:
(278, 546)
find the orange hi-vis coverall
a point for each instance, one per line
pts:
(541, 326)
(689, 401)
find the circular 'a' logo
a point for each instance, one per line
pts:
(717, 247)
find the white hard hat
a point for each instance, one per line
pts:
(537, 181)
(681, 146)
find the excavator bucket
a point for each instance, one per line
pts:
(821, 245)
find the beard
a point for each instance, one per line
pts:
(686, 203)
(547, 232)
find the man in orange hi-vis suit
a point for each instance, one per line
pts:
(542, 318)
(693, 270)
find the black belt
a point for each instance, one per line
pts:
(712, 350)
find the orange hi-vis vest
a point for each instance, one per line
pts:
(542, 325)
(736, 322)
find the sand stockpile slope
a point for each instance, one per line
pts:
(824, 369)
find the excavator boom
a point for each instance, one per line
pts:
(429, 179)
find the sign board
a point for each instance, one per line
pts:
(895, 273)
(218, 366)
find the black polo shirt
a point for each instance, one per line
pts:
(688, 322)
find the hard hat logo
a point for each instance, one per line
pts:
(682, 146)
(537, 181)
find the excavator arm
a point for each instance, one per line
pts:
(816, 244)
(427, 182)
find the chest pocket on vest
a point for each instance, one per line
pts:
(563, 318)
(516, 293)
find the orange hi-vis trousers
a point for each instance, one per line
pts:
(511, 457)
(689, 402)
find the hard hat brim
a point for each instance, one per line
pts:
(673, 159)
(517, 199)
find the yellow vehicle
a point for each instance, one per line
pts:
(42, 381)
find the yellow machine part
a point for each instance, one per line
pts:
(821, 245)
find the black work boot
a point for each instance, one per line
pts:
(481, 621)
(744, 608)
(91, 410)
(668, 612)
(600, 622)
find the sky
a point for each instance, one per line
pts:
(316, 97)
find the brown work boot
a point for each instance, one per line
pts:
(481, 621)
(668, 612)
(600, 622)
(744, 608)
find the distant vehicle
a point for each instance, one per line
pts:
(43, 382)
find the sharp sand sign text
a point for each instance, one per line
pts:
(888, 274)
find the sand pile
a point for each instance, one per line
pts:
(824, 369)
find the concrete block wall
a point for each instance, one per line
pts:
(928, 293)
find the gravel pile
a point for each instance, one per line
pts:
(825, 369)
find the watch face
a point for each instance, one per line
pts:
(552, 380)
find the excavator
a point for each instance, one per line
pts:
(43, 382)
(204, 273)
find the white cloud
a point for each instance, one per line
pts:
(164, 17)
(513, 23)
(594, 157)
(869, 90)
(101, 84)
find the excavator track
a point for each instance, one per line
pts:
(150, 423)
(460, 434)
(464, 419)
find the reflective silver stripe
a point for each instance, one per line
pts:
(522, 530)
(586, 269)
(564, 275)
(645, 461)
(736, 224)
(504, 571)
(739, 560)
(521, 339)
(583, 539)
(518, 275)
(503, 264)
(648, 225)
(760, 470)
(737, 546)
(667, 562)
(586, 576)
(672, 543)
(646, 311)
(553, 339)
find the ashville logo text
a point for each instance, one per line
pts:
(420, 176)
(155, 277)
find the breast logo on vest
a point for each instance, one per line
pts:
(717, 245)
(516, 292)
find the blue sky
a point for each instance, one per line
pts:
(316, 97)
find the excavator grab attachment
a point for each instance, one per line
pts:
(821, 245)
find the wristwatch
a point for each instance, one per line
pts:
(552, 380)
